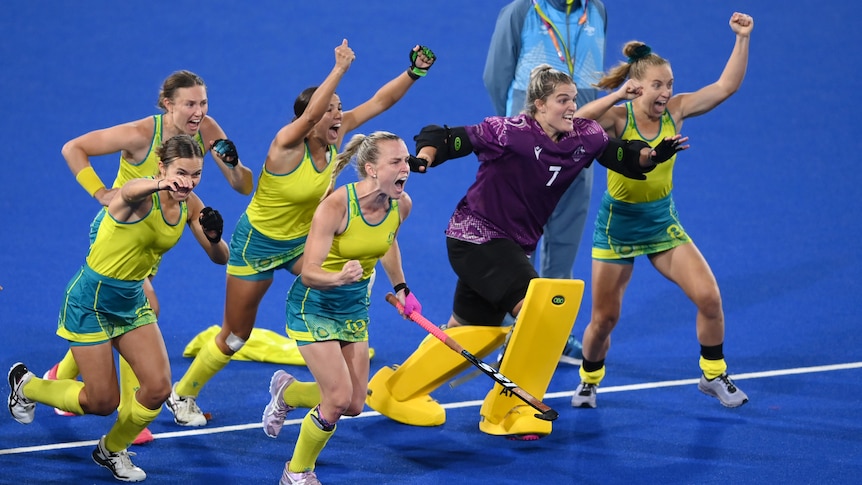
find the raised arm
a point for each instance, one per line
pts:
(226, 157)
(127, 138)
(291, 136)
(606, 110)
(687, 105)
(421, 59)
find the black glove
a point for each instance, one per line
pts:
(211, 220)
(665, 150)
(227, 152)
(417, 164)
(414, 71)
(449, 142)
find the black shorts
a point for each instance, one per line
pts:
(492, 278)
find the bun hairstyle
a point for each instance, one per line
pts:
(639, 57)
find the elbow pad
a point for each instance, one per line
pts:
(449, 142)
(623, 157)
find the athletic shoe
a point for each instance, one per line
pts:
(573, 352)
(51, 375)
(118, 462)
(185, 410)
(723, 389)
(21, 408)
(275, 412)
(304, 478)
(144, 437)
(585, 396)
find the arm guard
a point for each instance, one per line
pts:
(623, 157)
(449, 142)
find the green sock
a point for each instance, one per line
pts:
(310, 443)
(208, 362)
(67, 368)
(712, 368)
(302, 394)
(131, 420)
(593, 377)
(61, 394)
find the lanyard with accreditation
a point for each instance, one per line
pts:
(557, 37)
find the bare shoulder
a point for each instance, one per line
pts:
(195, 205)
(405, 205)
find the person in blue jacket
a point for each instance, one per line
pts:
(569, 35)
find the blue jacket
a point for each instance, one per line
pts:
(521, 41)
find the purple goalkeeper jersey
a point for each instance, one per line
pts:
(522, 176)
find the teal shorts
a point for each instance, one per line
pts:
(97, 309)
(255, 257)
(625, 230)
(339, 313)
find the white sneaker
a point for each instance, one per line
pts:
(51, 375)
(290, 478)
(118, 462)
(723, 389)
(185, 410)
(275, 412)
(584, 396)
(21, 408)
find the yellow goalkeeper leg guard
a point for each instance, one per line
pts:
(531, 356)
(402, 393)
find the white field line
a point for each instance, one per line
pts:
(464, 404)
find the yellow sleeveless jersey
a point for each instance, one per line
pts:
(128, 250)
(362, 241)
(283, 204)
(659, 182)
(149, 166)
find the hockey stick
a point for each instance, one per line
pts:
(509, 387)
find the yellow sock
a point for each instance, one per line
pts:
(712, 368)
(129, 383)
(62, 394)
(302, 394)
(131, 420)
(67, 368)
(594, 377)
(310, 443)
(208, 362)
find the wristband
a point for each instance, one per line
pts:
(88, 179)
(401, 286)
(413, 74)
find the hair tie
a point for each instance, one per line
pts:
(641, 51)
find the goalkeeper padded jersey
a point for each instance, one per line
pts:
(659, 182)
(128, 250)
(283, 204)
(522, 175)
(362, 241)
(149, 166)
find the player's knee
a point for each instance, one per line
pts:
(355, 409)
(341, 406)
(709, 303)
(155, 393)
(101, 405)
(603, 322)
